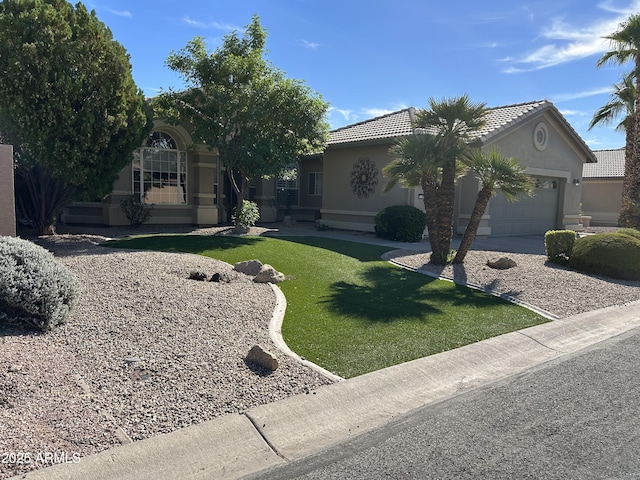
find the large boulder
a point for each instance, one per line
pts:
(268, 274)
(248, 267)
(501, 263)
(261, 357)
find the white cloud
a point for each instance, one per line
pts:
(307, 44)
(564, 97)
(566, 42)
(214, 25)
(120, 13)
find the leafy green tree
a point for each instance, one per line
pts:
(68, 102)
(235, 101)
(625, 47)
(495, 173)
(452, 123)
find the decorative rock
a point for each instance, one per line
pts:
(261, 357)
(248, 267)
(219, 277)
(195, 275)
(268, 274)
(502, 263)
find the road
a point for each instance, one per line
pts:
(577, 417)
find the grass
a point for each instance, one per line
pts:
(351, 312)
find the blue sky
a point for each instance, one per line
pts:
(371, 57)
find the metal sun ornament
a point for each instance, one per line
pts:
(364, 177)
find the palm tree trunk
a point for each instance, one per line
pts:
(474, 222)
(445, 199)
(630, 208)
(429, 190)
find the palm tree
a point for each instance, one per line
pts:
(415, 164)
(495, 173)
(625, 46)
(453, 122)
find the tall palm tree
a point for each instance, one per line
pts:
(625, 47)
(415, 164)
(453, 122)
(495, 173)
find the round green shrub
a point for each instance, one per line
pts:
(630, 231)
(402, 223)
(35, 289)
(558, 245)
(614, 255)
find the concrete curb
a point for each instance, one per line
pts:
(302, 425)
(275, 332)
(235, 446)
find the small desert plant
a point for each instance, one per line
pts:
(402, 223)
(247, 215)
(558, 245)
(34, 288)
(614, 255)
(136, 211)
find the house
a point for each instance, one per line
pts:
(342, 186)
(602, 187)
(7, 197)
(535, 132)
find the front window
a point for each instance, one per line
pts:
(287, 188)
(160, 171)
(315, 183)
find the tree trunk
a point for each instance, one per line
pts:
(42, 198)
(428, 185)
(474, 222)
(630, 182)
(630, 204)
(445, 199)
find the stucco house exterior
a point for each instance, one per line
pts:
(7, 197)
(536, 133)
(602, 187)
(342, 186)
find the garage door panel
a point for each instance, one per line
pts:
(527, 216)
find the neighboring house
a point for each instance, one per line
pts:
(7, 197)
(536, 133)
(602, 187)
(342, 186)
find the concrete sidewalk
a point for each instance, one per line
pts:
(237, 445)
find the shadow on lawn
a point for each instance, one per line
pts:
(184, 243)
(389, 294)
(359, 251)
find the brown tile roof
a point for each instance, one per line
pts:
(610, 164)
(392, 125)
(399, 123)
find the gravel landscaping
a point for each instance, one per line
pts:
(147, 351)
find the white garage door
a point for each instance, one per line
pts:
(527, 216)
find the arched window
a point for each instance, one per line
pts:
(160, 171)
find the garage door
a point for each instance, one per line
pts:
(527, 216)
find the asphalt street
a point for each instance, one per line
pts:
(576, 417)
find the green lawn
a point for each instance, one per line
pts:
(351, 312)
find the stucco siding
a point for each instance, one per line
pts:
(601, 200)
(341, 202)
(7, 196)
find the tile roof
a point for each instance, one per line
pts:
(610, 164)
(392, 125)
(399, 123)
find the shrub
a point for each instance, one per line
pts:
(558, 245)
(34, 288)
(402, 223)
(614, 255)
(630, 231)
(247, 215)
(136, 211)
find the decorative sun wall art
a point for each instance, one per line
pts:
(364, 177)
